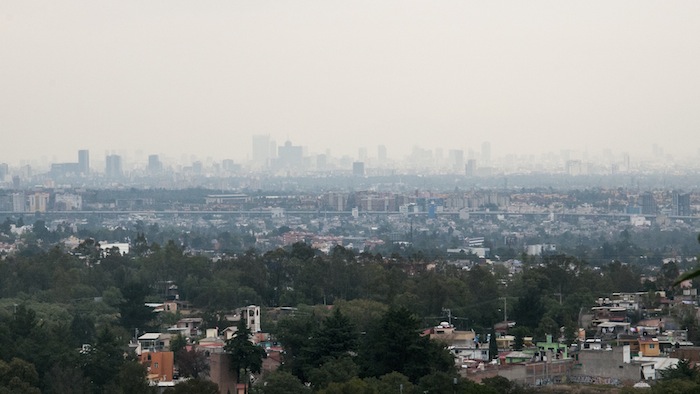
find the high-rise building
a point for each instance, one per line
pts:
(456, 159)
(38, 202)
(648, 204)
(358, 168)
(470, 168)
(197, 167)
(154, 164)
(84, 161)
(19, 202)
(263, 150)
(486, 153)
(381, 153)
(4, 171)
(362, 154)
(290, 156)
(681, 204)
(229, 165)
(113, 166)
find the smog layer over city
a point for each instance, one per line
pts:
(349, 197)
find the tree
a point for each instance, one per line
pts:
(178, 343)
(394, 344)
(191, 363)
(293, 333)
(134, 313)
(66, 379)
(493, 345)
(198, 386)
(19, 376)
(132, 379)
(335, 370)
(395, 382)
(336, 338)
(519, 333)
(281, 382)
(352, 386)
(102, 362)
(682, 370)
(245, 356)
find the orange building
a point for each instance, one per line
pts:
(649, 347)
(159, 365)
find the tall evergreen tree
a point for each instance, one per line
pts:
(493, 345)
(395, 344)
(245, 355)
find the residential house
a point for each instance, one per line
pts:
(252, 315)
(549, 350)
(190, 326)
(649, 347)
(153, 342)
(159, 365)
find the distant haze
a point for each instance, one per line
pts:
(201, 77)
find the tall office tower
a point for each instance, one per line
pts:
(113, 166)
(154, 164)
(648, 204)
(84, 161)
(486, 153)
(263, 150)
(470, 168)
(381, 153)
(456, 159)
(322, 162)
(290, 156)
(197, 167)
(358, 168)
(362, 154)
(681, 204)
(4, 171)
(19, 202)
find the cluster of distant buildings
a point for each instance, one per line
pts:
(609, 348)
(289, 159)
(153, 349)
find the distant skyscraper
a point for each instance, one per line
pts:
(321, 162)
(362, 154)
(197, 167)
(648, 204)
(263, 150)
(358, 168)
(154, 164)
(470, 168)
(229, 165)
(290, 156)
(456, 159)
(19, 202)
(84, 161)
(4, 171)
(381, 153)
(681, 204)
(486, 153)
(113, 166)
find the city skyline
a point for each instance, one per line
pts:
(85, 161)
(191, 79)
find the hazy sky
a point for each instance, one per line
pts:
(200, 77)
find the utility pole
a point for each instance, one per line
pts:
(449, 315)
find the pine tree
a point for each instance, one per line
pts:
(245, 355)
